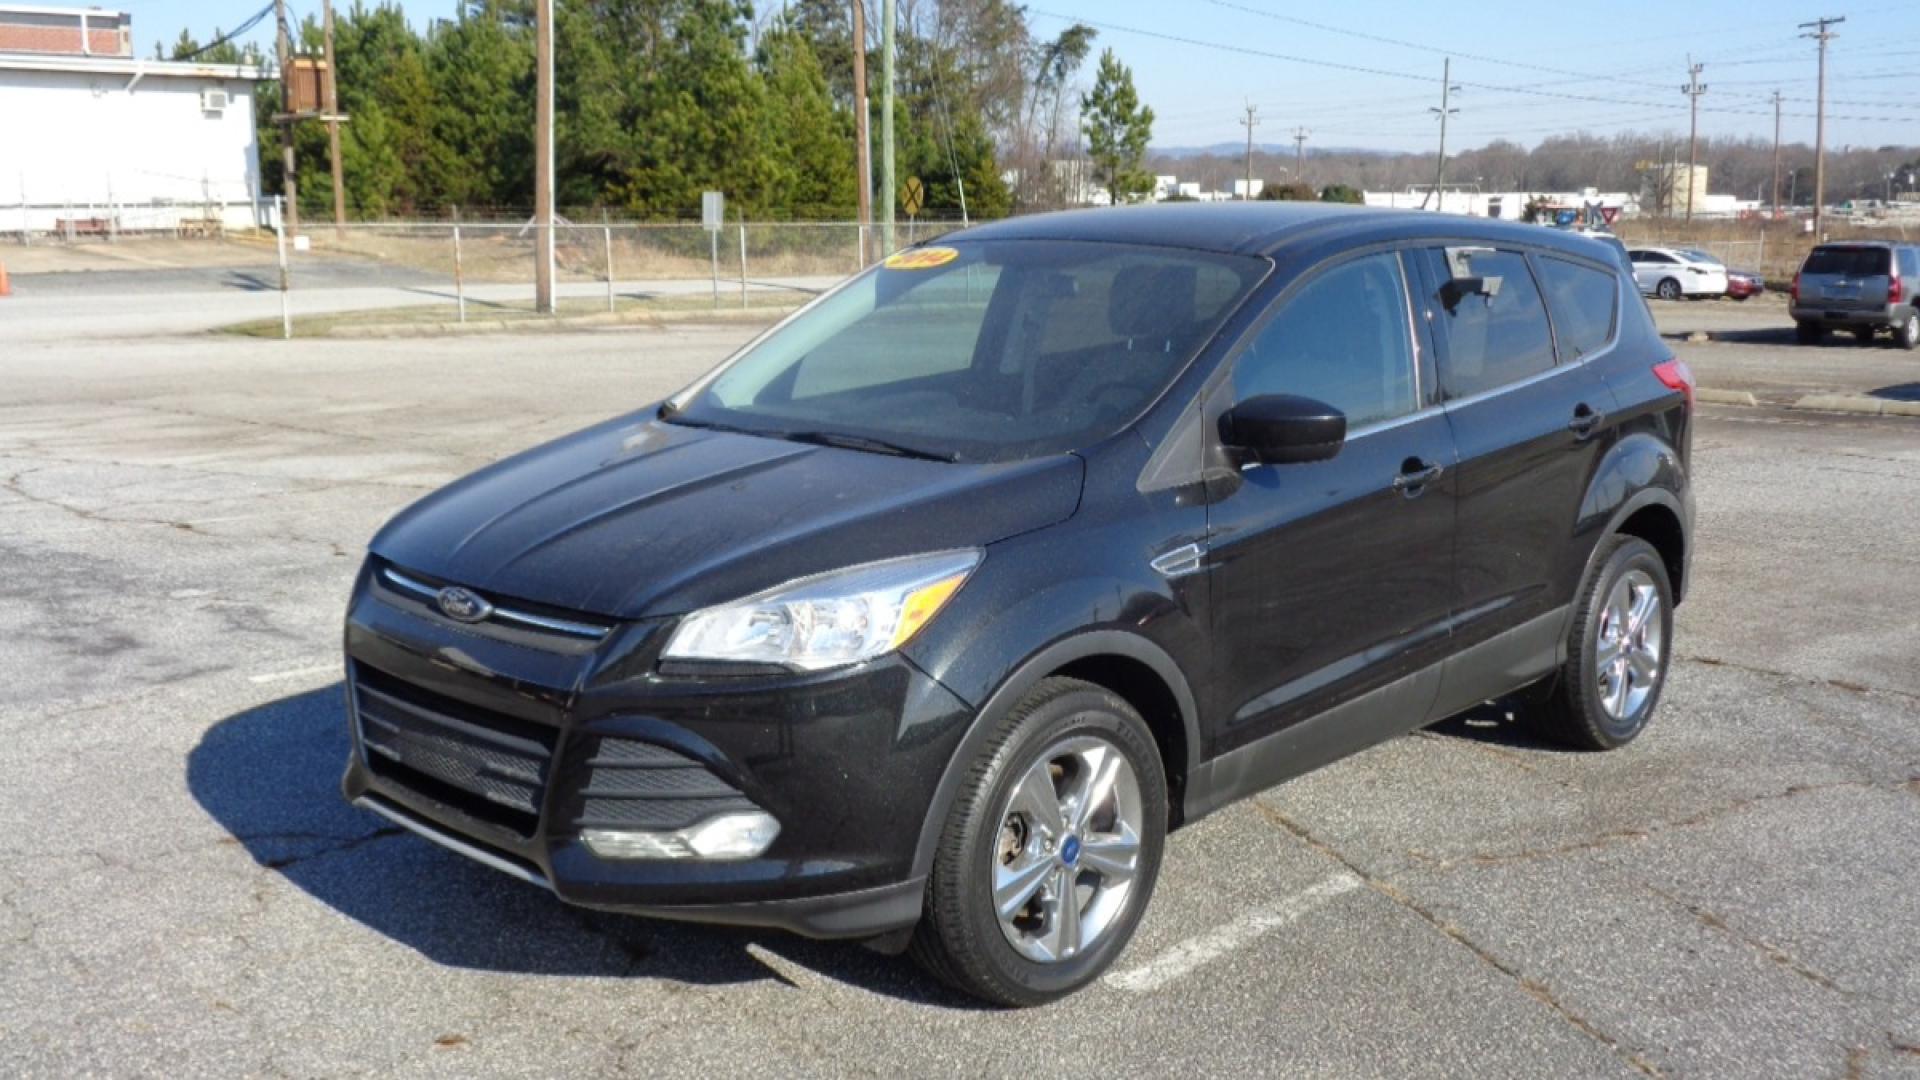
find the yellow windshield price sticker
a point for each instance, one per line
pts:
(921, 258)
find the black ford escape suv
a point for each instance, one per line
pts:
(925, 617)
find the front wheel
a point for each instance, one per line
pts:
(1617, 652)
(1668, 289)
(1863, 334)
(1050, 852)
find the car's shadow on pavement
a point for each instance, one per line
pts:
(1494, 724)
(271, 777)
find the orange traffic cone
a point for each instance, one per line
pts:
(5, 288)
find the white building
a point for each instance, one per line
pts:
(1510, 205)
(94, 140)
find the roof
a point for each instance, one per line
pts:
(1264, 228)
(42, 9)
(129, 66)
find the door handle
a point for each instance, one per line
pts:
(1585, 420)
(1414, 477)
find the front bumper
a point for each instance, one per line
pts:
(503, 748)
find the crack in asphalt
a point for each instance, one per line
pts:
(1714, 921)
(1532, 987)
(342, 845)
(12, 485)
(1613, 837)
(1788, 676)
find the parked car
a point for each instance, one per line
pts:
(1863, 286)
(1742, 284)
(1673, 273)
(925, 617)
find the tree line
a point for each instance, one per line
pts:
(659, 100)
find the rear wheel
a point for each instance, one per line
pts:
(1668, 289)
(1050, 852)
(1617, 652)
(1809, 333)
(1906, 333)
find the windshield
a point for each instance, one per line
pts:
(1847, 261)
(981, 351)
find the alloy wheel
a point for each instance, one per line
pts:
(1628, 648)
(1068, 852)
(1669, 289)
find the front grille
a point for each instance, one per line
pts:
(486, 764)
(642, 785)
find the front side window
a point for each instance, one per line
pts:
(1343, 338)
(980, 351)
(1492, 317)
(1581, 300)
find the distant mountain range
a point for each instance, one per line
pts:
(1239, 149)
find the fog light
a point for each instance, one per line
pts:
(729, 836)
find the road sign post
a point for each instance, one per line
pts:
(713, 214)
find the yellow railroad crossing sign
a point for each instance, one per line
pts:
(913, 196)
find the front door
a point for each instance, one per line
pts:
(1331, 579)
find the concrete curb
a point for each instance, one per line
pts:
(1857, 403)
(484, 325)
(1724, 397)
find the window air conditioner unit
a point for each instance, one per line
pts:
(213, 101)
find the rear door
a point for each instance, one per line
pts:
(1529, 419)
(1333, 578)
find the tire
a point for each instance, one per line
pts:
(990, 835)
(1588, 707)
(1809, 333)
(1668, 289)
(1906, 333)
(1863, 334)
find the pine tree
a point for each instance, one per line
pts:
(1118, 129)
(810, 139)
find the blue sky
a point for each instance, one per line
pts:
(1619, 66)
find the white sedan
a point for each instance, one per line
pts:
(1671, 273)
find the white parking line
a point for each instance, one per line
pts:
(1196, 952)
(296, 673)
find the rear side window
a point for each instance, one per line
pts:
(1344, 339)
(1847, 261)
(1909, 262)
(1581, 300)
(1491, 314)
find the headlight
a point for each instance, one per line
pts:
(828, 620)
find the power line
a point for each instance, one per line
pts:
(252, 21)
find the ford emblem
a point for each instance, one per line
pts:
(461, 605)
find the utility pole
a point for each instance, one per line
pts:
(1693, 90)
(862, 148)
(333, 118)
(1300, 151)
(1822, 35)
(1776, 153)
(543, 157)
(1246, 193)
(887, 184)
(283, 47)
(1447, 90)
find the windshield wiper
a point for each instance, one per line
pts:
(871, 445)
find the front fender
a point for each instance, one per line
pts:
(1015, 686)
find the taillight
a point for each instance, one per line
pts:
(1676, 375)
(1895, 289)
(1795, 291)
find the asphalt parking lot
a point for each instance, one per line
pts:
(183, 893)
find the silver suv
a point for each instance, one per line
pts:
(1864, 286)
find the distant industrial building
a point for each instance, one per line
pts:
(95, 140)
(1511, 205)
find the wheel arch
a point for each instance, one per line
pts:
(1136, 669)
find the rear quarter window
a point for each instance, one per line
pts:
(1582, 302)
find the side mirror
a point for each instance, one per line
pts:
(1283, 429)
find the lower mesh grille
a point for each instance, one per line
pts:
(634, 784)
(491, 766)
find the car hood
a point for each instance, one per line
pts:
(637, 517)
